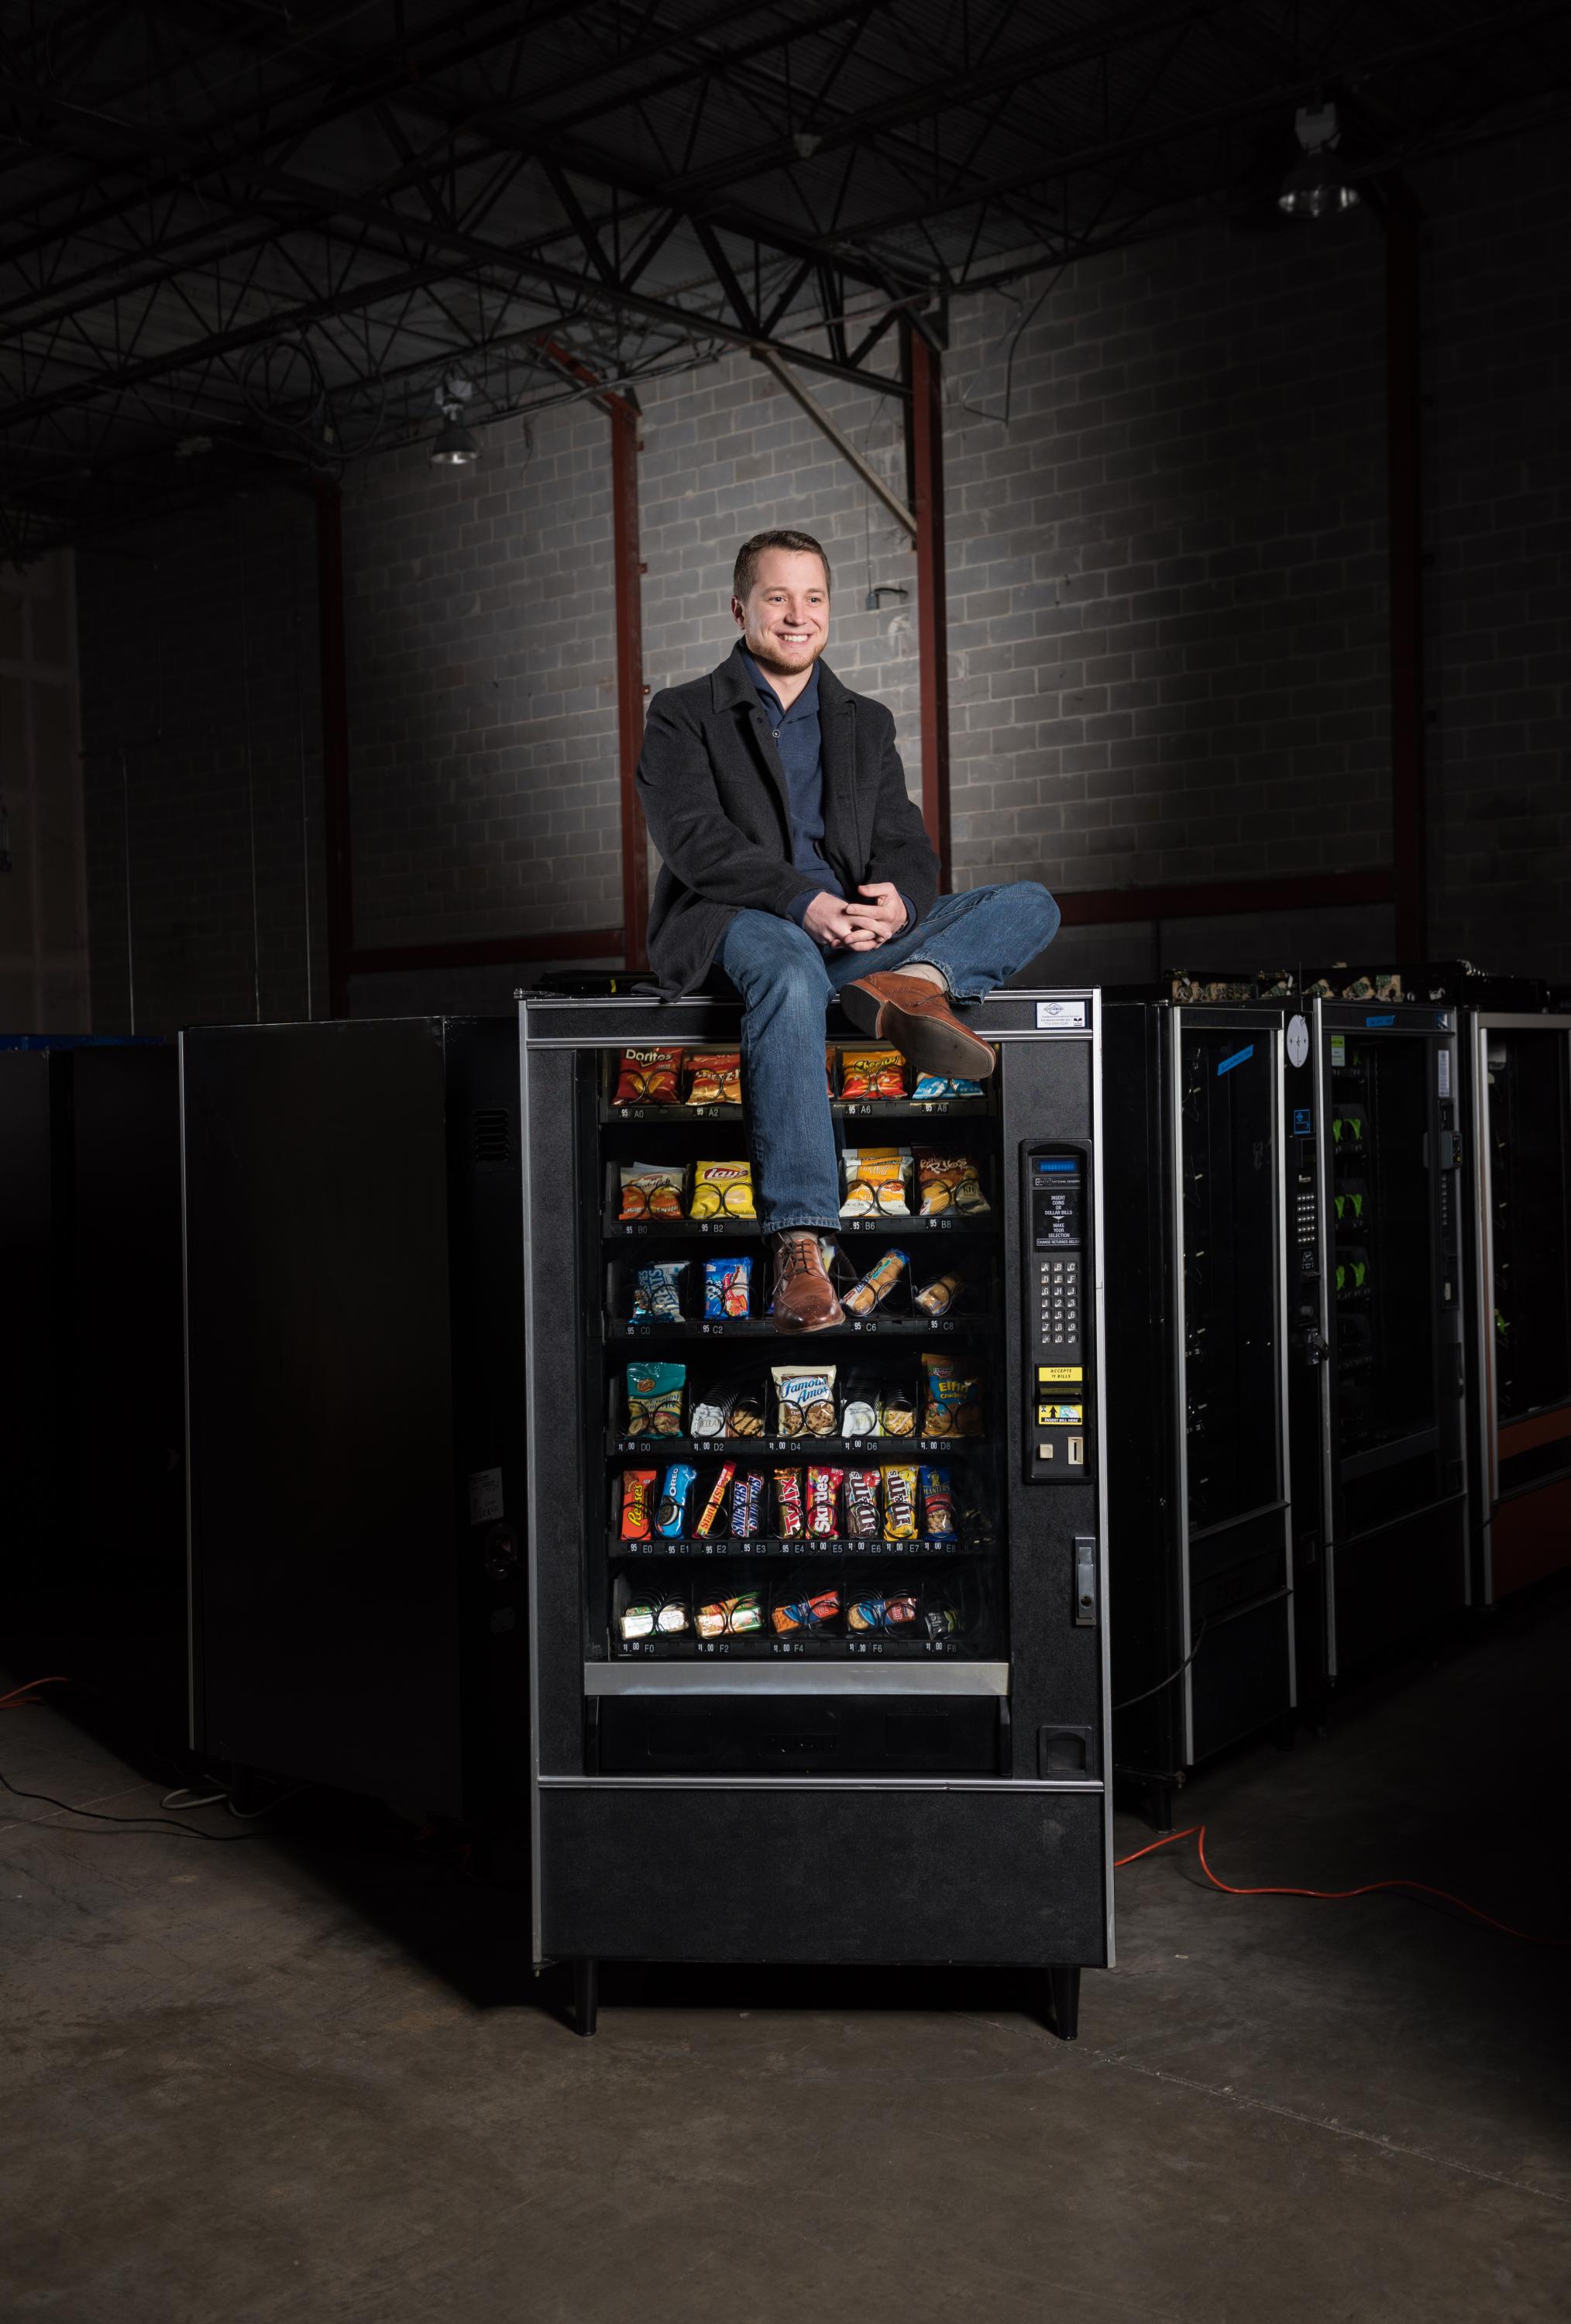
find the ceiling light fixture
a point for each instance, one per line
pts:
(457, 446)
(1317, 183)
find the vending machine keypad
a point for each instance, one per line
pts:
(1057, 1431)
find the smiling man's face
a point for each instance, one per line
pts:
(785, 617)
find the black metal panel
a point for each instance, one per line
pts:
(32, 1391)
(791, 1874)
(325, 1570)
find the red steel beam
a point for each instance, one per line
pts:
(334, 715)
(1404, 491)
(629, 690)
(1204, 899)
(925, 420)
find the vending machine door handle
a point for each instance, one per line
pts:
(1085, 1580)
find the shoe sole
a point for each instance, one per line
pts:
(800, 1331)
(926, 1042)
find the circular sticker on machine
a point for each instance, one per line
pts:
(1297, 1041)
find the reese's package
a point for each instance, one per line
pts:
(637, 1495)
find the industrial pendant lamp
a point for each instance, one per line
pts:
(457, 446)
(1318, 183)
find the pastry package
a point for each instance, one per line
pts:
(732, 1617)
(804, 1399)
(747, 1505)
(897, 1411)
(791, 1518)
(876, 1284)
(938, 1504)
(722, 1190)
(790, 1614)
(871, 1072)
(947, 1182)
(637, 1503)
(929, 1086)
(715, 1506)
(714, 1077)
(654, 1399)
(727, 1289)
(647, 1077)
(877, 1182)
(657, 1293)
(899, 1504)
(671, 1517)
(823, 1502)
(651, 1190)
(744, 1411)
(861, 1496)
(951, 1402)
(936, 1299)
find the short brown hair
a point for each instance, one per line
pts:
(748, 555)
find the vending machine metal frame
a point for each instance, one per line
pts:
(1405, 1566)
(1551, 1423)
(1013, 1868)
(1162, 1636)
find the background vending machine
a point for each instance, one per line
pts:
(816, 1625)
(1376, 1276)
(1519, 1174)
(1203, 1602)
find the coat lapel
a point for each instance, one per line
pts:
(735, 691)
(837, 743)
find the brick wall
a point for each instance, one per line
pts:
(1166, 576)
(1497, 357)
(483, 686)
(201, 767)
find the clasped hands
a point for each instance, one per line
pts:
(847, 924)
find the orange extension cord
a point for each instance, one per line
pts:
(1197, 1832)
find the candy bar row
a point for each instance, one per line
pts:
(801, 1608)
(886, 1504)
(879, 1182)
(730, 1290)
(705, 1077)
(808, 1400)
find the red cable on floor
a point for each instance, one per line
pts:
(1197, 1831)
(18, 1697)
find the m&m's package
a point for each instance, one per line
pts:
(862, 1492)
(899, 1504)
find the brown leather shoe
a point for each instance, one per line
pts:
(915, 1016)
(804, 1296)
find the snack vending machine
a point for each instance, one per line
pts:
(817, 1635)
(1198, 1359)
(1376, 1286)
(1519, 1158)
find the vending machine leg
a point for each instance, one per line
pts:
(1064, 1991)
(586, 1993)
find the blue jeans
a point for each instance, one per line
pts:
(787, 982)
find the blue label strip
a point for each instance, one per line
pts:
(1237, 1058)
(1302, 1120)
(1380, 1020)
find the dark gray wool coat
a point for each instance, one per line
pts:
(715, 798)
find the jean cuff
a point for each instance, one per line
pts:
(801, 1226)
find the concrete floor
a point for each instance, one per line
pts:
(302, 2079)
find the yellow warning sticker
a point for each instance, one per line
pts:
(1060, 1371)
(1060, 1416)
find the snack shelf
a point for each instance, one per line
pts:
(857, 1327)
(754, 1648)
(888, 1449)
(896, 1225)
(803, 1550)
(883, 1109)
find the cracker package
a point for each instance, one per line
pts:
(714, 1077)
(727, 1289)
(951, 1403)
(871, 1072)
(860, 1417)
(654, 1399)
(647, 1077)
(730, 1617)
(804, 1399)
(897, 1411)
(877, 1182)
(790, 1614)
(651, 1190)
(948, 1182)
(671, 1516)
(722, 1190)
(657, 1293)
(929, 1086)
